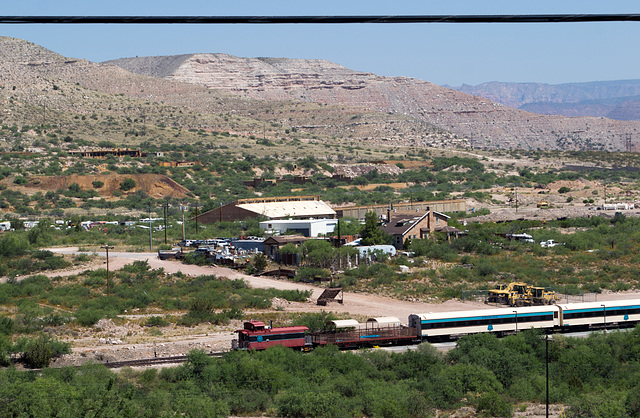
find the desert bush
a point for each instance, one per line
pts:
(38, 352)
(12, 245)
(127, 184)
(156, 321)
(7, 325)
(93, 310)
(495, 405)
(311, 273)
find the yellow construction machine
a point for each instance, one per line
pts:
(522, 294)
(542, 296)
(505, 293)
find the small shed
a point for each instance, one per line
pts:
(273, 244)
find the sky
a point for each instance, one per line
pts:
(442, 53)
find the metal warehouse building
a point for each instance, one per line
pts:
(289, 207)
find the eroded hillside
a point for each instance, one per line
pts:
(485, 123)
(38, 86)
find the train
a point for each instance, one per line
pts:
(443, 326)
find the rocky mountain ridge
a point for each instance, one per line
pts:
(69, 90)
(485, 123)
(611, 99)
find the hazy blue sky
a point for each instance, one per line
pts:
(441, 53)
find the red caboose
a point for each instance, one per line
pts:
(257, 336)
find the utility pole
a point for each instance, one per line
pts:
(150, 229)
(182, 207)
(107, 247)
(547, 339)
(196, 205)
(165, 208)
(547, 362)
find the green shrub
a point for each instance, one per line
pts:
(156, 321)
(38, 352)
(19, 180)
(7, 325)
(311, 273)
(127, 184)
(495, 405)
(12, 245)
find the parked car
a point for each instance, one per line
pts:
(206, 251)
(550, 243)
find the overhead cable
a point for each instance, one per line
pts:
(541, 18)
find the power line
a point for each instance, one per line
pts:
(541, 18)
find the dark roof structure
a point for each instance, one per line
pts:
(284, 239)
(400, 223)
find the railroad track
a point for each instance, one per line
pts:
(153, 361)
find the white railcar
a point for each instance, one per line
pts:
(447, 325)
(612, 313)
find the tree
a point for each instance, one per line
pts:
(127, 184)
(318, 253)
(348, 226)
(259, 262)
(371, 232)
(97, 184)
(41, 234)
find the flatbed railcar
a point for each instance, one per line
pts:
(366, 337)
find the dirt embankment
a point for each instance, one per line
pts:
(155, 185)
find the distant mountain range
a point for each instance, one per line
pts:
(618, 100)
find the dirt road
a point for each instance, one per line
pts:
(354, 303)
(132, 342)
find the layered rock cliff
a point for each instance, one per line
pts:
(484, 122)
